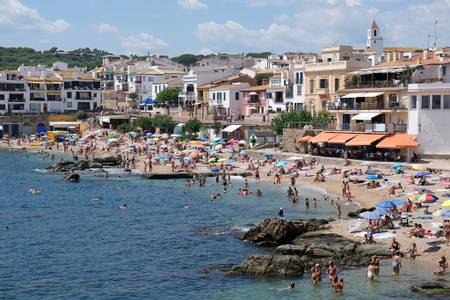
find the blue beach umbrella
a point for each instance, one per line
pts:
(281, 164)
(243, 153)
(231, 161)
(372, 177)
(445, 213)
(203, 139)
(396, 166)
(371, 215)
(386, 204)
(422, 174)
(228, 150)
(398, 202)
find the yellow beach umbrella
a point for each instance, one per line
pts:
(446, 203)
(419, 167)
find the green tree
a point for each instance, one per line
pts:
(81, 115)
(281, 121)
(124, 128)
(258, 54)
(134, 99)
(322, 117)
(262, 76)
(168, 97)
(164, 122)
(145, 123)
(192, 126)
(187, 59)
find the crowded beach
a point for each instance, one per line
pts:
(403, 206)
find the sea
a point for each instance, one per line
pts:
(74, 241)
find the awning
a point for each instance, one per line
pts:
(148, 102)
(64, 124)
(322, 137)
(231, 128)
(354, 95)
(342, 138)
(305, 138)
(398, 141)
(365, 116)
(373, 94)
(364, 139)
(253, 94)
(105, 120)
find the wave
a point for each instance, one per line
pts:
(40, 170)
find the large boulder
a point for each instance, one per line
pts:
(111, 161)
(355, 214)
(432, 289)
(274, 232)
(62, 166)
(81, 165)
(269, 265)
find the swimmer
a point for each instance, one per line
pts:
(396, 263)
(258, 193)
(124, 206)
(34, 191)
(7, 227)
(96, 199)
(316, 274)
(281, 213)
(371, 271)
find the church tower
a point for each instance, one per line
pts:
(374, 39)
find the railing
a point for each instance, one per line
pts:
(375, 84)
(367, 106)
(358, 127)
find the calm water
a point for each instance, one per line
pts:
(64, 243)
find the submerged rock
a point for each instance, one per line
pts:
(72, 177)
(269, 265)
(62, 166)
(431, 289)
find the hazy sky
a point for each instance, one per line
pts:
(200, 26)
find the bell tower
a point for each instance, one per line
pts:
(374, 39)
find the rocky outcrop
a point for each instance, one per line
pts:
(67, 166)
(301, 245)
(355, 214)
(72, 177)
(432, 289)
(110, 161)
(275, 232)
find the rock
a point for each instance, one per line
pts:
(355, 214)
(111, 161)
(372, 249)
(291, 250)
(316, 224)
(432, 289)
(81, 166)
(72, 177)
(95, 165)
(62, 166)
(274, 232)
(269, 265)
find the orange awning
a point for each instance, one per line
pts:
(398, 141)
(364, 139)
(322, 137)
(342, 138)
(305, 138)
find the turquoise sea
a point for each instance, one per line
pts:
(73, 241)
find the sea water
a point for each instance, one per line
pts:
(73, 241)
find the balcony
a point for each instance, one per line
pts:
(38, 97)
(323, 91)
(16, 98)
(373, 128)
(344, 106)
(254, 99)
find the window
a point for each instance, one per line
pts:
(336, 84)
(311, 86)
(413, 102)
(95, 95)
(2, 107)
(444, 70)
(269, 95)
(224, 96)
(446, 101)
(84, 105)
(69, 95)
(214, 96)
(2, 96)
(436, 102)
(236, 95)
(323, 83)
(299, 78)
(374, 33)
(299, 89)
(69, 104)
(425, 102)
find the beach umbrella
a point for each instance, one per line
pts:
(212, 160)
(446, 203)
(223, 159)
(372, 177)
(194, 154)
(218, 147)
(242, 142)
(371, 215)
(386, 204)
(422, 174)
(396, 166)
(203, 139)
(243, 153)
(215, 170)
(268, 154)
(233, 141)
(175, 135)
(212, 150)
(419, 167)
(422, 190)
(148, 134)
(229, 147)
(280, 164)
(398, 202)
(295, 158)
(427, 198)
(187, 158)
(232, 161)
(217, 139)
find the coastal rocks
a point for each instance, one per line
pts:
(355, 214)
(305, 251)
(62, 166)
(275, 232)
(68, 166)
(269, 265)
(72, 177)
(110, 161)
(432, 289)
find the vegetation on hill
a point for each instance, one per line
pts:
(13, 57)
(187, 59)
(258, 54)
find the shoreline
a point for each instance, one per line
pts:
(332, 186)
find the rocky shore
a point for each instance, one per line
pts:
(299, 246)
(97, 163)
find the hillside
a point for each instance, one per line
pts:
(12, 57)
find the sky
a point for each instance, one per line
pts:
(173, 27)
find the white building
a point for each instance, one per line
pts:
(14, 96)
(225, 99)
(428, 117)
(299, 89)
(374, 39)
(277, 99)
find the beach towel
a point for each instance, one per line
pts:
(383, 235)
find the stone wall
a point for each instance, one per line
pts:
(27, 124)
(290, 137)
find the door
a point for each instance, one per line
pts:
(14, 130)
(346, 122)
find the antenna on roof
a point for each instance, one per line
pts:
(435, 34)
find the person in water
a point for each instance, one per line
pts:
(281, 213)
(306, 202)
(258, 193)
(371, 271)
(375, 261)
(332, 271)
(442, 266)
(396, 263)
(338, 285)
(124, 206)
(316, 274)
